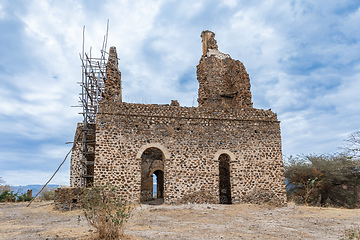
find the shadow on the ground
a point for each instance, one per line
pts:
(154, 201)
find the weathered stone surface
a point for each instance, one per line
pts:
(113, 78)
(224, 151)
(77, 157)
(223, 82)
(67, 199)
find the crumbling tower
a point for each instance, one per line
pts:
(223, 82)
(113, 78)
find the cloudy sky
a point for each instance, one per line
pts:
(302, 56)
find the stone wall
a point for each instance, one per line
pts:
(76, 156)
(192, 140)
(83, 157)
(68, 199)
(113, 78)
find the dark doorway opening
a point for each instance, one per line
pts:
(224, 179)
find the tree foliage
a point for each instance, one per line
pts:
(353, 144)
(8, 195)
(324, 179)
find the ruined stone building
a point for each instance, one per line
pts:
(223, 151)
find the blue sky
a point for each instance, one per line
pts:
(302, 57)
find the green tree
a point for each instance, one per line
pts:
(7, 196)
(353, 144)
(322, 179)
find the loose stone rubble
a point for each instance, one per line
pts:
(223, 151)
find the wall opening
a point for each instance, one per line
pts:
(152, 163)
(224, 179)
(154, 184)
(159, 183)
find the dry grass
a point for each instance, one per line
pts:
(352, 233)
(105, 212)
(188, 221)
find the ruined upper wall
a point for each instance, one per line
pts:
(171, 111)
(113, 78)
(223, 82)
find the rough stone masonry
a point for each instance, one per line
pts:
(223, 151)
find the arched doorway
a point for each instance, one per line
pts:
(224, 179)
(152, 163)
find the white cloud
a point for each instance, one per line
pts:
(55, 151)
(38, 99)
(2, 12)
(229, 3)
(188, 11)
(301, 56)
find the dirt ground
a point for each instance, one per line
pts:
(189, 221)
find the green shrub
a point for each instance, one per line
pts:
(22, 197)
(7, 196)
(10, 196)
(104, 211)
(4, 187)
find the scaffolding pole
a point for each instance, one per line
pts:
(92, 91)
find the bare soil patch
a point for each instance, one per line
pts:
(188, 221)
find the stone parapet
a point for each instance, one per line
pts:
(168, 111)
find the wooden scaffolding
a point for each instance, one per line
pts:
(92, 91)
